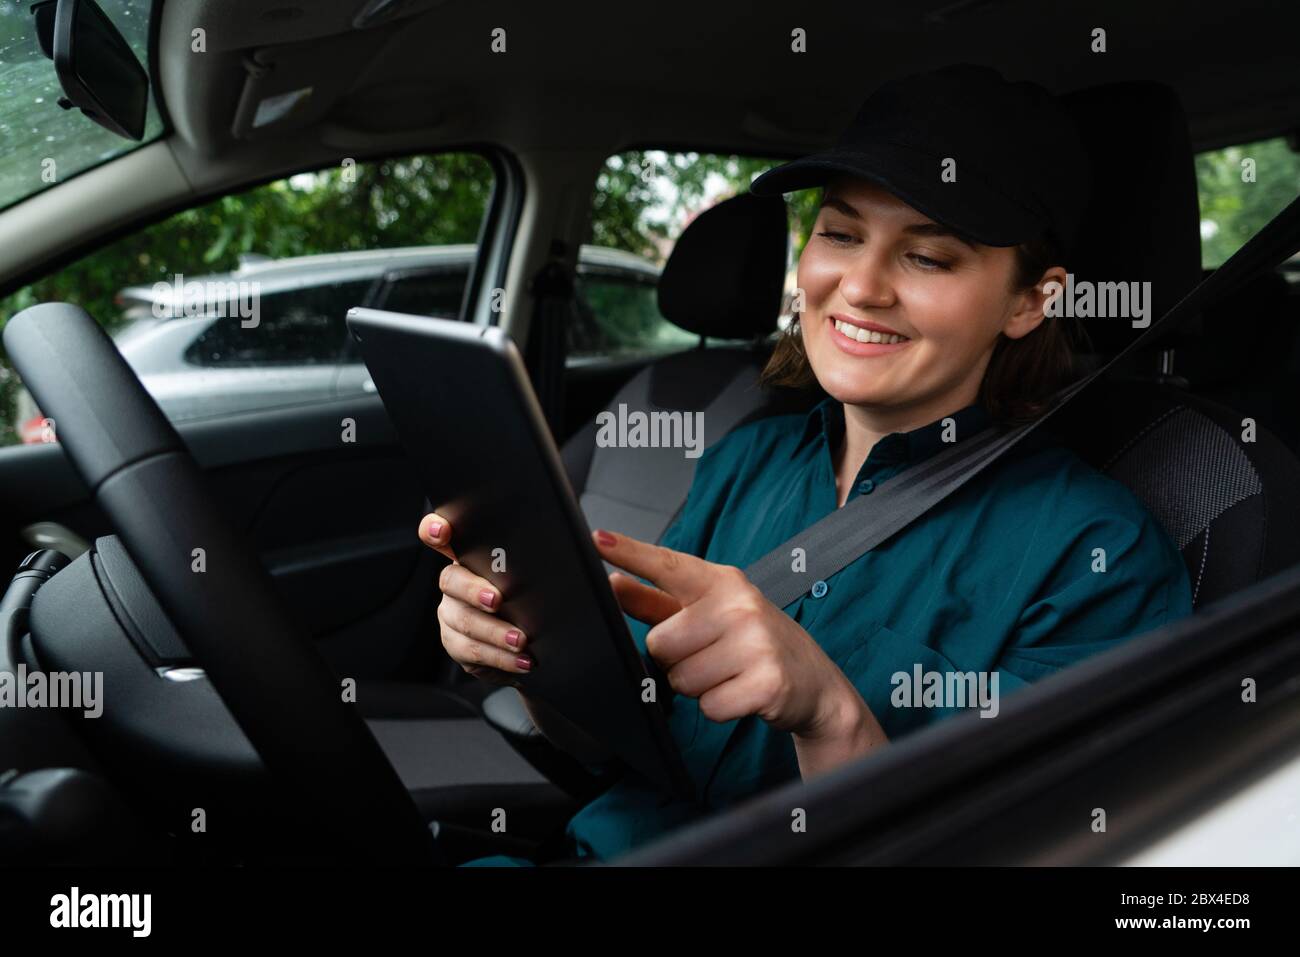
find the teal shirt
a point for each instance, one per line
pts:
(1036, 563)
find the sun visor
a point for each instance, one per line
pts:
(289, 87)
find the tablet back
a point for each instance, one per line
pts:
(460, 400)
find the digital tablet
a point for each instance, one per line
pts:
(464, 408)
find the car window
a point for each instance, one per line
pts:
(43, 143)
(301, 327)
(240, 304)
(1240, 189)
(619, 315)
(425, 294)
(642, 202)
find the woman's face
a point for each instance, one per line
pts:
(932, 305)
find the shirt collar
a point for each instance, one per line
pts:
(827, 418)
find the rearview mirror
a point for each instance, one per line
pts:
(99, 73)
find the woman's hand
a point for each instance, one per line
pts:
(475, 638)
(719, 640)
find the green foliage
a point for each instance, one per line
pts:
(411, 202)
(672, 185)
(1233, 208)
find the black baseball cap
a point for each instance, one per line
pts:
(1018, 159)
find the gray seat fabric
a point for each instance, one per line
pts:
(1232, 507)
(638, 491)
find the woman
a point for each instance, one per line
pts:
(947, 211)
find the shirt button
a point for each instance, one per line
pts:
(865, 486)
(819, 589)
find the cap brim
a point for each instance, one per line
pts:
(968, 205)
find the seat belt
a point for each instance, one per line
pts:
(552, 289)
(860, 525)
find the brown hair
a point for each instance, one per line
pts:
(1022, 373)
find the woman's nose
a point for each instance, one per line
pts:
(866, 285)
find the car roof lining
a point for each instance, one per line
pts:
(419, 77)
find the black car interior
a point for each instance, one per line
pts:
(355, 582)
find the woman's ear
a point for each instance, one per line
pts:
(1030, 304)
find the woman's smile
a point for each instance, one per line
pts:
(858, 337)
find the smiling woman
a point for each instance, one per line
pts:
(922, 296)
(1024, 367)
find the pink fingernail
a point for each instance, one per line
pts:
(512, 638)
(486, 598)
(435, 530)
(524, 663)
(604, 537)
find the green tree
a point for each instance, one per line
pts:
(635, 182)
(1241, 188)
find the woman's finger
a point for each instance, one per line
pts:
(479, 625)
(435, 531)
(734, 698)
(682, 575)
(469, 654)
(686, 633)
(697, 674)
(459, 582)
(643, 602)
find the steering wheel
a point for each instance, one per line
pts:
(274, 683)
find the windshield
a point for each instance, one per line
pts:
(41, 143)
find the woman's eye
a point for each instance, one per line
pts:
(836, 237)
(925, 262)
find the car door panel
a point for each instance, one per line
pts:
(327, 497)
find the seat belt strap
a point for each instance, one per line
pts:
(553, 294)
(849, 532)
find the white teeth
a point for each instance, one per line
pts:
(867, 335)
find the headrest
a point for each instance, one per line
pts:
(1143, 221)
(726, 275)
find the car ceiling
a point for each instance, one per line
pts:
(612, 74)
(581, 80)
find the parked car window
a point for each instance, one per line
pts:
(301, 327)
(619, 315)
(426, 294)
(239, 305)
